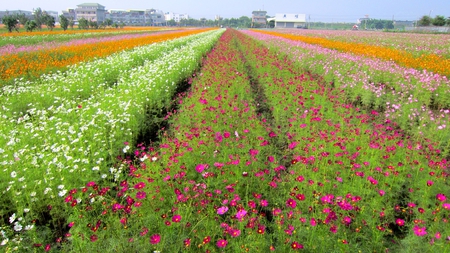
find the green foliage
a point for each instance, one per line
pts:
(71, 22)
(93, 24)
(439, 20)
(64, 22)
(49, 21)
(30, 25)
(108, 22)
(83, 23)
(38, 17)
(10, 23)
(378, 24)
(22, 18)
(424, 21)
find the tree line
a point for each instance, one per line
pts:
(438, 20)
(13, 21)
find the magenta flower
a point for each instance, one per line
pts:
(240, 214)
(420, 231)
(235, 233)
(222, 210)
(201, 167)
(291, 203)
(400, 222)
(441, 197)
(141, 195)
(381, 192)
(313, 222)
(446, 206)
(139, 185)
(222, 243)
(176, 218)
(154, 239)
(253, 152)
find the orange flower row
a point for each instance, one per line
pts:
(109, 30)
(431, 62)
(38, 62)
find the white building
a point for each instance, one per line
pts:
(175, 16)
(90, 11)
(284, 20)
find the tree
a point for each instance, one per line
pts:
(93, 24)
(71, 22)
(10, 23)
(171, 22)
(108, 22)
(83, 23)
(49, 21)
(30, 25)
(38, 17)
(22, 19)
(438, 20)
(64, 22)
(424, 21)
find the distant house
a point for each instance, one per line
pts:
(259, 18)
(175, 16)
(90, 11)
(284, 20)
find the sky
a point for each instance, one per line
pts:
(315, 10)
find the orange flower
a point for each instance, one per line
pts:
(431, 62)
(37, 62)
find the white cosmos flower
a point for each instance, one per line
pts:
(12, 218)
(13, 174)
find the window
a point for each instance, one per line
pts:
(296, 16)
(284, 15)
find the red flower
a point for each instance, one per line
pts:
(296, 245)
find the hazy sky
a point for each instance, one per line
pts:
(317, 10)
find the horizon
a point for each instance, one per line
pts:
(348, 11)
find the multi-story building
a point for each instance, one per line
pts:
(157, 17)
(259, 18)
(175, 16)
(90, 11)
(137, 17)
(69, 14)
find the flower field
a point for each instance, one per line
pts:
(227, 141)
(54, 57)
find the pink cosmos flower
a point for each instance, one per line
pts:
(400, 222)
(201, 167)
(222, 210)
(155, 239)
(141, 195)
(222, 243)
(291, 203)
(176, 218)
(441, 197)
(420, 231)
(240, 214)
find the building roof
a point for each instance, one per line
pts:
(91, 5)
(285, 17)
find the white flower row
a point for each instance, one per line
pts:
(53, 149)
